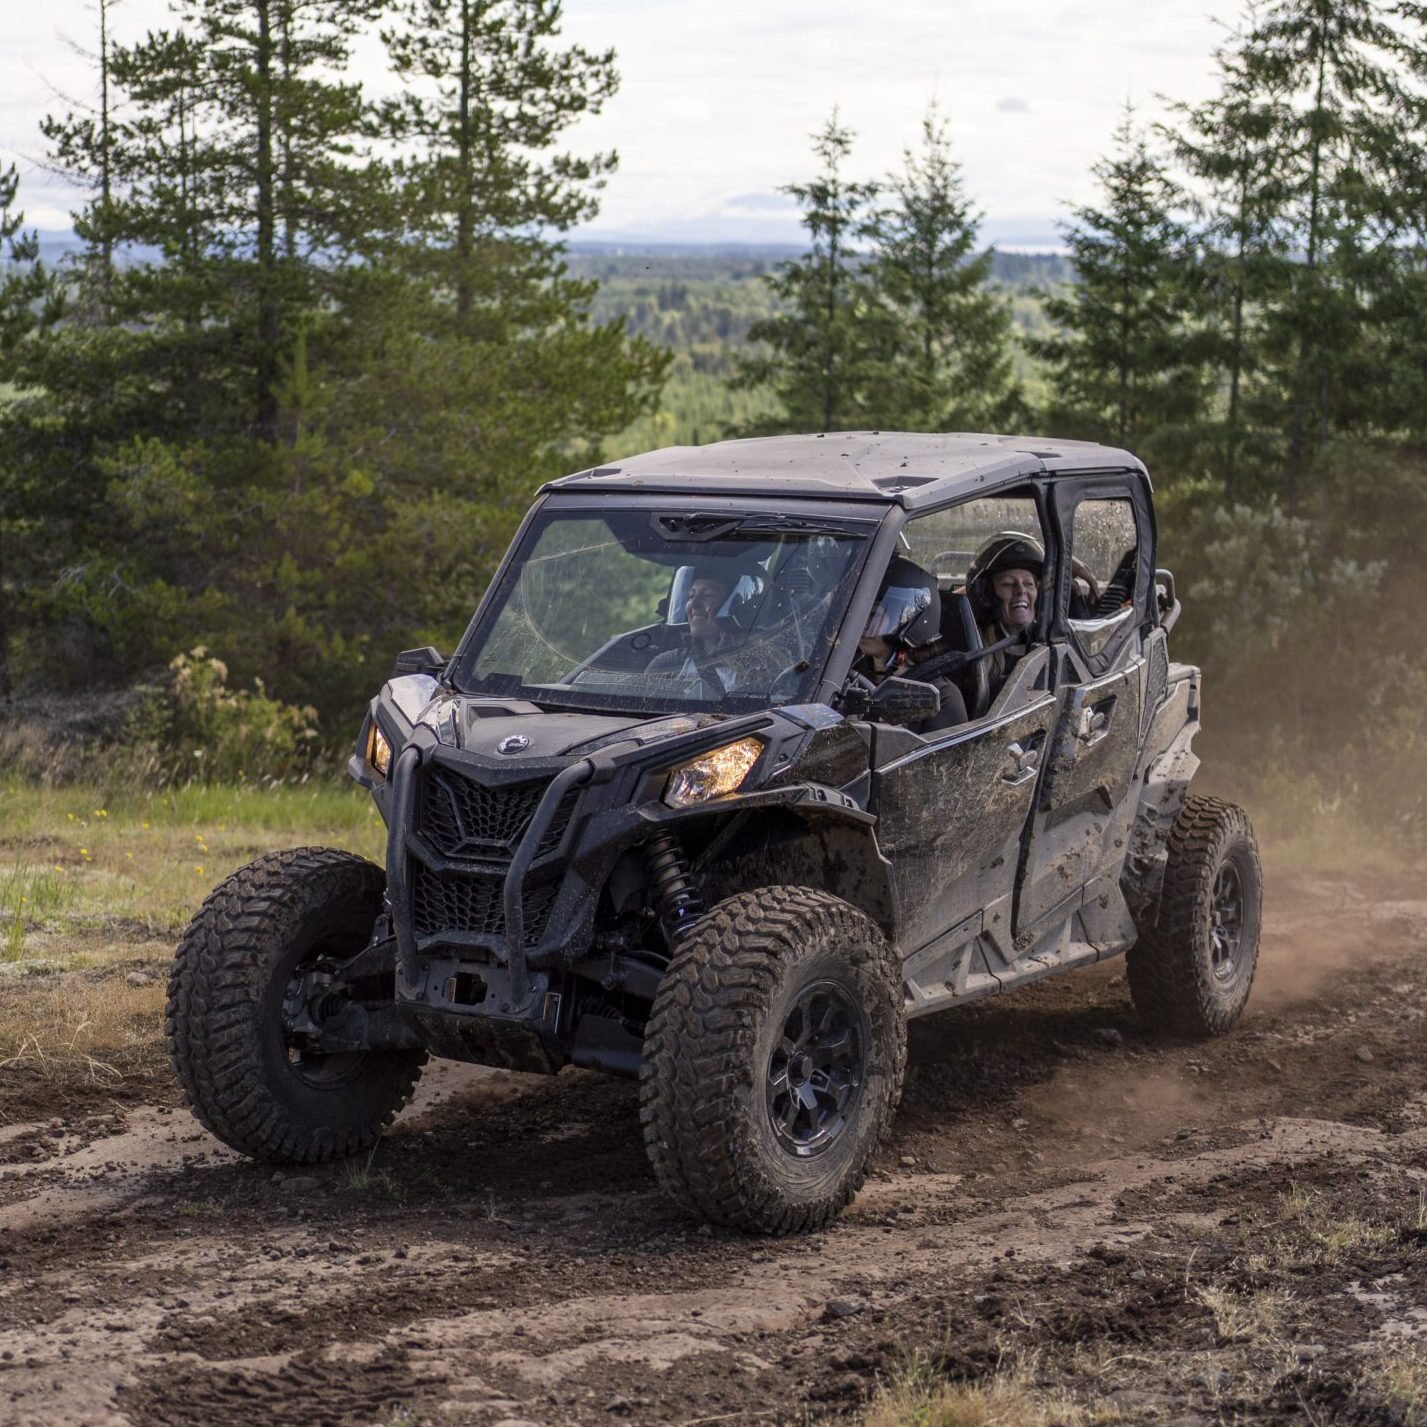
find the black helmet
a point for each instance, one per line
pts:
(1006, 550)
(908, 609)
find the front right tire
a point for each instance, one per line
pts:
(240, 964)
(773, 1060)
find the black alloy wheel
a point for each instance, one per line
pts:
(816, 1070)
(1226, 923)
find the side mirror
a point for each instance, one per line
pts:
(419, 661)
(899, 700)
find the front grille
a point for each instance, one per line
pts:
(474, 904)
(463, 818)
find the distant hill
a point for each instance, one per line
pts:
(699, 262)
(686, 262)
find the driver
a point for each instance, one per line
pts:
(899, 632)
(710, 639)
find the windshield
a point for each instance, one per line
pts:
(648, 611)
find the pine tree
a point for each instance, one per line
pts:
(513, 371)
(1225, 146)
(951, 365)
(82, 148)
(824, 347)
(1125, 365)
(311, 387)
(1347, 141)
(488, 92)
(29, 303)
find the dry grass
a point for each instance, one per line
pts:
(92, 886)
(1253, 1316)
(80, 1029)
(1011, 1397)
(1320, 1237)
(1397, 1378)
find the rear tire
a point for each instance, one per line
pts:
(1190, 974)
(234, 966)
(773, 1060)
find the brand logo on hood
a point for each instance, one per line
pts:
(513, 743)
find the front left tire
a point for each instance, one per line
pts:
(773, 1060)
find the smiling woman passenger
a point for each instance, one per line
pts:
(1004, 584)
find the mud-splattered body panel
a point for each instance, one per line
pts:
(950, 820)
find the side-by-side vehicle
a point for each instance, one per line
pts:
(661, 813)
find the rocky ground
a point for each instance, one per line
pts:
(1107, 1226)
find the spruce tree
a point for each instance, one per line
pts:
(1347, 141)
(824, 346)
(29, 303)
(488, 91)
(1225, 147)
(82, 147)
(950, 365)
(1124, 364)
(311, 386)
(477, 297)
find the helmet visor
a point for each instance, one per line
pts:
(898, 608)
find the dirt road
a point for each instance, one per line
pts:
(1167, 1233)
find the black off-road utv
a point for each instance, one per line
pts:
(653, 817)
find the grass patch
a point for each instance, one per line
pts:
(1397, 1379)
(76, 860)
(1010, 1397)
(1326, 1236)
(1254, 1316)
(83, 1030)
(94, 882)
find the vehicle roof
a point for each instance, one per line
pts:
(911, 469)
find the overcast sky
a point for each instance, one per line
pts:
(718, 97)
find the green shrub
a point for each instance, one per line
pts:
(194, 727)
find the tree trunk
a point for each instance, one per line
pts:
(284, 127)
(1300, 417)
(267, 364)
(465, 211)
(106, 165)
(830, 338)
(6, 685)
(1236, 357)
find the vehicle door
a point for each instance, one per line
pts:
(1079, 832)
(952, 806)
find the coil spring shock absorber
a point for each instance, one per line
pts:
(679, 902)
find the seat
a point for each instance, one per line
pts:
(960, 632)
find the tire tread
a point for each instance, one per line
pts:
(221, 968)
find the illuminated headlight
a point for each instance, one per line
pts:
(378, 751)
(712, 775)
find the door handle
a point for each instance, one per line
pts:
(1022, 764)
(1092, 724)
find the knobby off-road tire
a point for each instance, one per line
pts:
(1191, 972)
(224, 1024)
(777, 998)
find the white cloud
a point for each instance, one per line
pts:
(720, 100)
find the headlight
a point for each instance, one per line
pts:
(378, 751)
(712, 775)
